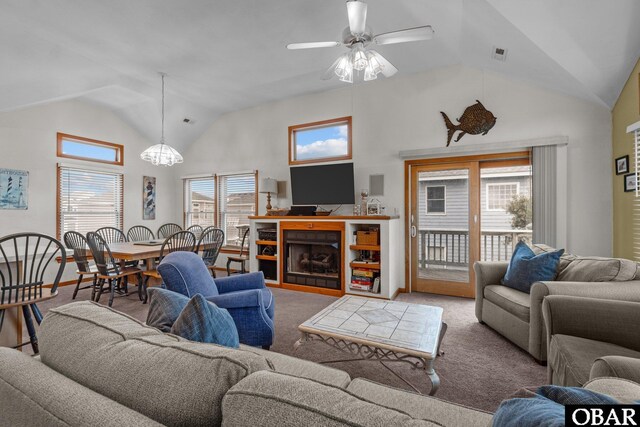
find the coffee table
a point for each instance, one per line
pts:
(382, 331)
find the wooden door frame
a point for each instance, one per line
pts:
(516, 158)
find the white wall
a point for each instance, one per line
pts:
(28, 142)
(404, 113)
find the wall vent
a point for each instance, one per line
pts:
(499, 54)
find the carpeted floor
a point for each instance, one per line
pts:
(479, 367)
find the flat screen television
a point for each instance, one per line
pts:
(323, 185)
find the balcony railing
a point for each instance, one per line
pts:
(451, 247)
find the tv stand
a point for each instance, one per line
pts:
(319, 254)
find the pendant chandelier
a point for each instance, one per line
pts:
(161, 154)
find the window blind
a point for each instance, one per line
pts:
(200, 202)
(88, 200)
(545, 186)
(237, 201)
(635, 130)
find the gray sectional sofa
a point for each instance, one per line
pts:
(100, 367)
(518, 315)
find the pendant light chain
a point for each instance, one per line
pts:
(162, 136)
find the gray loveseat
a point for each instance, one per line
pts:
(518, 315)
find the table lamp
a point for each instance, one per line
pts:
(268, 185)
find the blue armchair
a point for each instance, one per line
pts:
(245, 296)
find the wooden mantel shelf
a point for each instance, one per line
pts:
(326, 218)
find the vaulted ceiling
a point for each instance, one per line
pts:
(226, 55)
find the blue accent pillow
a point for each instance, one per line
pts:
(164, 308)
(185, 273)
(526, 267)
(203, 321)
(547, 407)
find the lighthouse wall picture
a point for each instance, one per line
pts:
(148, 197)
(14, 189)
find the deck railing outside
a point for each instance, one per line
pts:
(451, 247)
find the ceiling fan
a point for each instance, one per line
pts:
(357, 37)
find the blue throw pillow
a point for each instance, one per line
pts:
(547, 407)
(526, 267)
(203, 321)
(164, 308)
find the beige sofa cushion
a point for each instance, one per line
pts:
(571, 358)
(32, 394)
(172, 381)
(418, 406)
(509, 299)
(269, 398)
(623, 390)
(598, 269)
(302, 368)
(616, 366)
(573, 268)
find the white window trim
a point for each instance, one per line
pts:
(116, 170)
(426, 199)
(493, 184)
(187, 197)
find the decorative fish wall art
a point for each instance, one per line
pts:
(474, 121)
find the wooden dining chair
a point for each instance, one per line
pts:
(81, 255)
(24, 260)
(112, 235)
(242, 257)
(168, 230)
(209, 246)
(139, 233)
(180, 241)
(196, 230)
(109, 270)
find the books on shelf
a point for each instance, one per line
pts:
(363, 279)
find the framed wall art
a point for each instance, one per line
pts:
(630, 182)
(622, 165)
(148, 198)
(14, 189)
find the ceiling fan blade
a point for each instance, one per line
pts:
(388, 69)
(311, 45)
(357, 12)
(403, 36)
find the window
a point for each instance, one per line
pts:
(499, 194)
(436, 199)
(200, 202)
(88, 200)
(223, 201)
(237, 200)
(324, 141)
(76, 147)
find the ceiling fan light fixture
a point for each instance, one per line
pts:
(358, 57)
(343, 67)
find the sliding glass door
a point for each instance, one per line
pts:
(462, 212)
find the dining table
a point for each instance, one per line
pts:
(147, 251)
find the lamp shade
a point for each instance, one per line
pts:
(268, 185)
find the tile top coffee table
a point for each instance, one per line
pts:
(381, 331)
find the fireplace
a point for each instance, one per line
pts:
(313, 258)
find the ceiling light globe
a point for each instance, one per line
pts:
(359, 58)
(161, 155)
